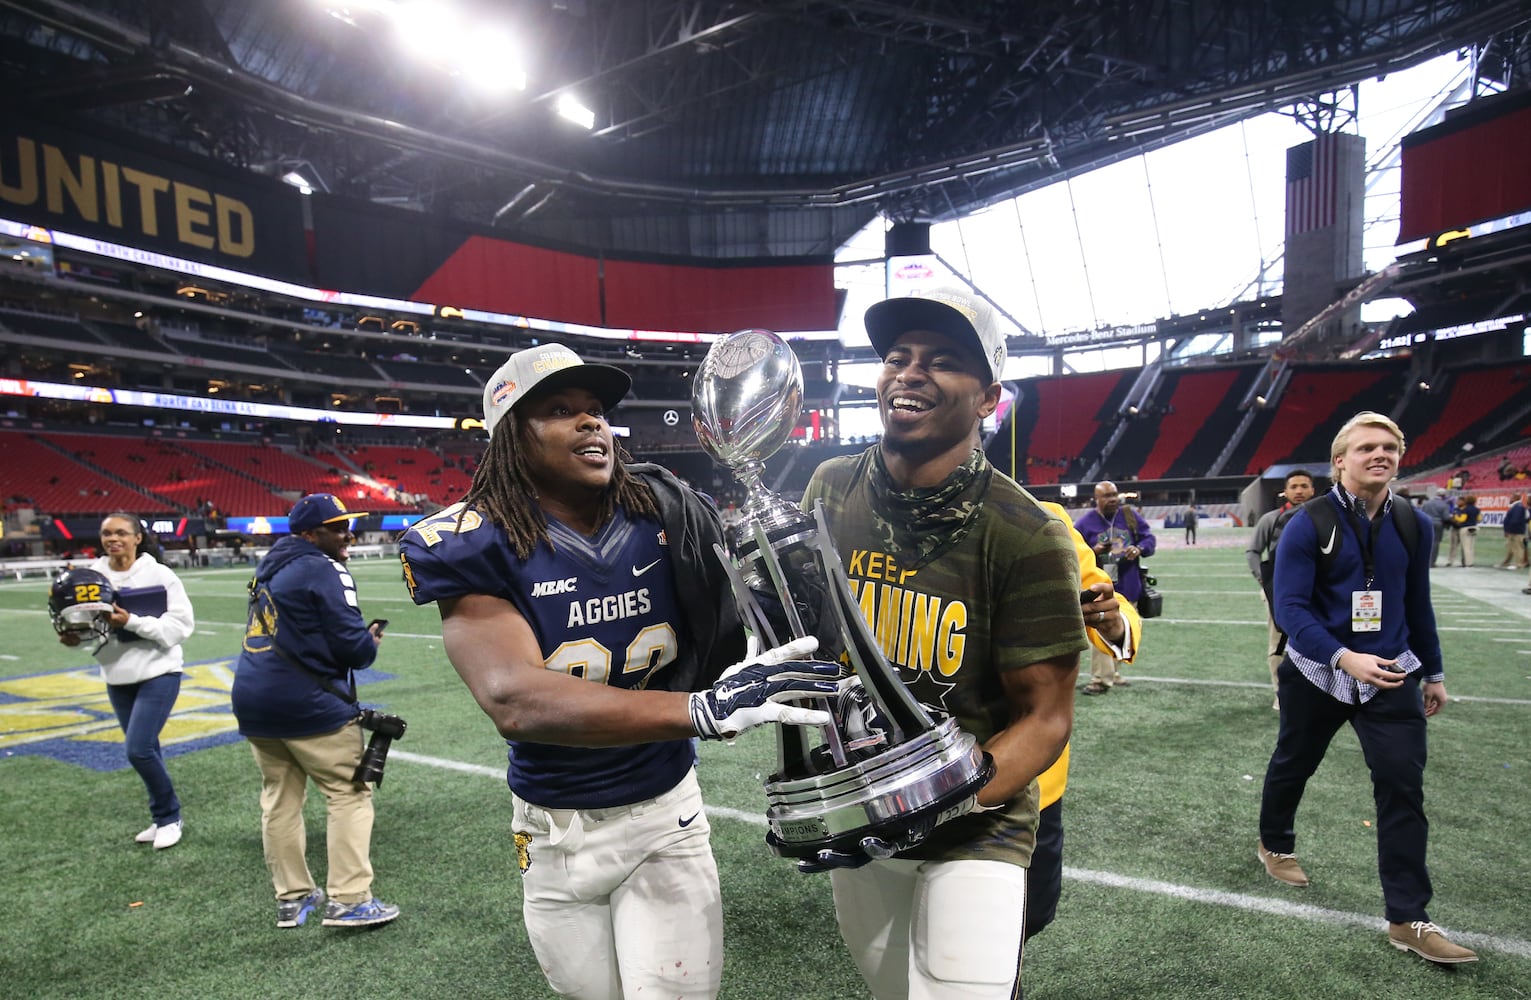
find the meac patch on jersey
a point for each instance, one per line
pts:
(603, 607)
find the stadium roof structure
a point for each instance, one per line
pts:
(722, 129)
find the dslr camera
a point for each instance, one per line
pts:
(385, 729)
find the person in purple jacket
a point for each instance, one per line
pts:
(295, 700)
(1121, 539)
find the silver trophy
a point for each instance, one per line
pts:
(885, 768)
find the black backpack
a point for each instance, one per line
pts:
(1268, 565)
(1326, 522)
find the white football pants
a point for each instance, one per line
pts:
(934, 930)
(623, 903)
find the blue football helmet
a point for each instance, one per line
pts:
(80, 604)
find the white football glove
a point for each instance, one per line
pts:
(760, 690)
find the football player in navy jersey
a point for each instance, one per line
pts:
(582, 604)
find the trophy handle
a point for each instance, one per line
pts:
(878, 677)
(793, 755)
(756, 619)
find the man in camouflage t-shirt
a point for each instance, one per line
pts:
(972, 591)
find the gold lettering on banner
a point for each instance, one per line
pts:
(189, 212)
(82, 186)
(24, 192)
(97, 191)
(229, 211)
(148, 186)
(111, 185)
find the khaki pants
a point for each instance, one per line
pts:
(1469, 541)
(286, 767)
(1514, 551)
(1275, 647)
(1103, 668)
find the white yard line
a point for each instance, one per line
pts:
(1193, 894)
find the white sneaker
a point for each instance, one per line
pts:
(147, 835)
(167, 836)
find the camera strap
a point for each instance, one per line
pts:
(326, 681)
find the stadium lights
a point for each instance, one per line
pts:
(450, 39)
(572, 110)
(298, 181)
(348, 12)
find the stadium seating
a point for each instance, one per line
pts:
(1057, 420)
(1473, 397)
(166, 470)
(289, 474)
(63, 329)
(122, 335)
(1301, 425)
(411, 470)
(426, 373)
(341, 366)
(1480, 475)
(1194, 412)
(33, 474)
(257, 357)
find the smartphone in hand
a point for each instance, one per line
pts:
(377, 625)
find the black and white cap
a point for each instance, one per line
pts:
(959, 313)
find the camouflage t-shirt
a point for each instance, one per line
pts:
(1004, 597)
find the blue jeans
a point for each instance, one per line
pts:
(142, 709)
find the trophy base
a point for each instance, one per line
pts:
(917, 784)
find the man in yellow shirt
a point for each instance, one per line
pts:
(1113, 627)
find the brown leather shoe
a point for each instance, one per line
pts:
(1096, 687)
(1426, 940)
(1281, 867)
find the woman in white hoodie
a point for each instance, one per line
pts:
(141, 659)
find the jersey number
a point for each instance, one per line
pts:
(652, 647)
(447, 522)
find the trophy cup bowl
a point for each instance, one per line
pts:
(747, 397)
(885, 768)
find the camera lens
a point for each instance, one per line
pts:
(370, 769)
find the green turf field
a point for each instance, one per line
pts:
(1163, 899)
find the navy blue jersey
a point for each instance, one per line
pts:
(603, 608)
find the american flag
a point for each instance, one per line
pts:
(1312, 180)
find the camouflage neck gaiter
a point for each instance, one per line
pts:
(920, 524)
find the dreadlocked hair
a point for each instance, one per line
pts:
(502, 488)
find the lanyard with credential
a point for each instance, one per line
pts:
(1368, 544)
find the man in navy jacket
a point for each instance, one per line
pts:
(295, 700)
(1362, 648)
